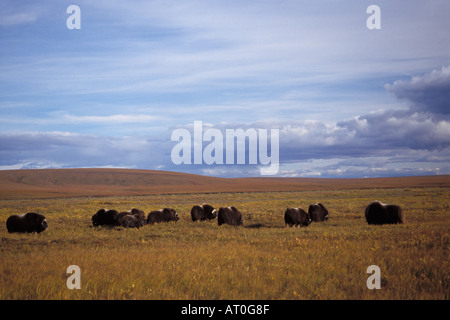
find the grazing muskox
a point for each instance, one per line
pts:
(380, 213)
(317, 212)
(138, 213)
(133, 218)
(105, 217)
(27, 222)
(120, 216)
(132, 221)
(163, 215)
(296, 216)
(203, 212)
(230, 215)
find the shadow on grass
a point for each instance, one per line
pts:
(262, 225)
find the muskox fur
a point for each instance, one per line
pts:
(203, 212)
(317, 212)
(380, 213)
(120, 216)
(105, 217)
(133, 218)
(138, 213)
(132, 221)
(163, 215)
(231, 216)
(296, 217)
(27, 222)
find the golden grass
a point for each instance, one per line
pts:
(262, 260)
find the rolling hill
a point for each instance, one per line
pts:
(55, 183)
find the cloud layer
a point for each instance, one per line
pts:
(388, 142)
(428, 93)
(415, 140)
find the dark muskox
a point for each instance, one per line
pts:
(120, 216)
(163, 215)
(138, 214)
(105, 217)
(133, 218)
(296, 216)
(230, 215)
(203, 212)
(380, 213)
(27, 222)
(317, 212)
(132, 221)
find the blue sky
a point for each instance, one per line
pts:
(348, 101)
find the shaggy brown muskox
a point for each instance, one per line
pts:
(163, 215)
(132, 221)
(203, 212)
(105, 217)
(380, 213)
(27, 222)
(317, 212)
(229, 215)
(120, 216)
(296, 217)
(139, 214)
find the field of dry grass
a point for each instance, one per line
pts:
(262, 260)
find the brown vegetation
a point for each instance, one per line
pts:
(56, 183)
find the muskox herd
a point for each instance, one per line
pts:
(133, 218)
(299, 217)
(376, 213)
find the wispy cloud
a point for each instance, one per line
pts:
(66, 149)
(17, 19)
(111, 119)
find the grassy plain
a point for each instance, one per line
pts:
(262, 260)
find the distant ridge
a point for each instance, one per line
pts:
(55, 183)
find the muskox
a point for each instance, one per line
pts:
(138, 213)
(296, 217)
(105, 217)
(229, 215)
(133, 218)
(380, 213)
(120, 216)
(132, 221)
(317, 212)
(27, 222)
(163, 215)
(203, 212)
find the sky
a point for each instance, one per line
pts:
(347, 101)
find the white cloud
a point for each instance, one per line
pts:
(17, 19)
(113, 119)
